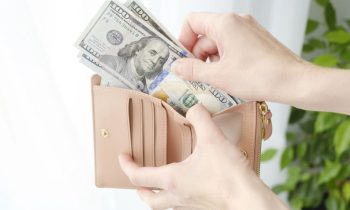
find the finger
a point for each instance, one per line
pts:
(160, 200)
(194, 69)
(203, 124)
(214, 58)
(155, 177)
(204, 47)
(200, 23)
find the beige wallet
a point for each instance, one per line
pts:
(128, 121)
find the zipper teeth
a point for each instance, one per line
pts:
(262, 130)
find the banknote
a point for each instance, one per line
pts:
(130, 51)
(142, 12)
(106, 79)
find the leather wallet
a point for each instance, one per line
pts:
(129, 121)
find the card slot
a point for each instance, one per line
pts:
(186, 141)
(136, 126)
(148, 133)
(193, 139)
(160, 135)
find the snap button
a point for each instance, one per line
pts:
(244, 153)
(104, 133)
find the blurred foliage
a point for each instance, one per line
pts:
(317, 156)
(268, 154)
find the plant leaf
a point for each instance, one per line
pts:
(346, 191)
(331, 203)
(317, 43)
(347, 66)
(304, 177)
(308, 48)
(342, 138)
(345, 56)
(327, 60)
(301, 150)
(344, 172)
(291, 136)
(330, 15)
(326, 120)
(296, 115)
(335, 193)
(322, 2)
(338, 36)
(279, 188)
(311, 26)
(293, 177)
(268, 154)
(296, 203)
(330, 171)
(287, 157)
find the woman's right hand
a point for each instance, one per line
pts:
(247, 61)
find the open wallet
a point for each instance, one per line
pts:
(129, 121)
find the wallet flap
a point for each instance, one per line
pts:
(111, 134)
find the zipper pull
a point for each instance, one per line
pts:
(266, 115)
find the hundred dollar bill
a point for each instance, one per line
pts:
(106, 79)
(142, 12)
(140, 57)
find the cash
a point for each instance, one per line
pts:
(129, 48)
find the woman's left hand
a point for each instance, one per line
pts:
(215, 176)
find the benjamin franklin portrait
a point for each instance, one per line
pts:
(139, 61)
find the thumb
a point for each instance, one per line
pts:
(203, 124)
(193, 69)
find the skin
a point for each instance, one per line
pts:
(216, 175)
(151, 58)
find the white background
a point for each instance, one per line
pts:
(46, 145)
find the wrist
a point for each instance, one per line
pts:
(316, 86)
(255, 195)
(291, 83)
(252, 193)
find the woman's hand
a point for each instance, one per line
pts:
(249, 63)
(215, 176)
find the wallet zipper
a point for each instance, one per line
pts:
(263, 109)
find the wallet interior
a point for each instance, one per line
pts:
(128, 121)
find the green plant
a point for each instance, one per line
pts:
(317, 156)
